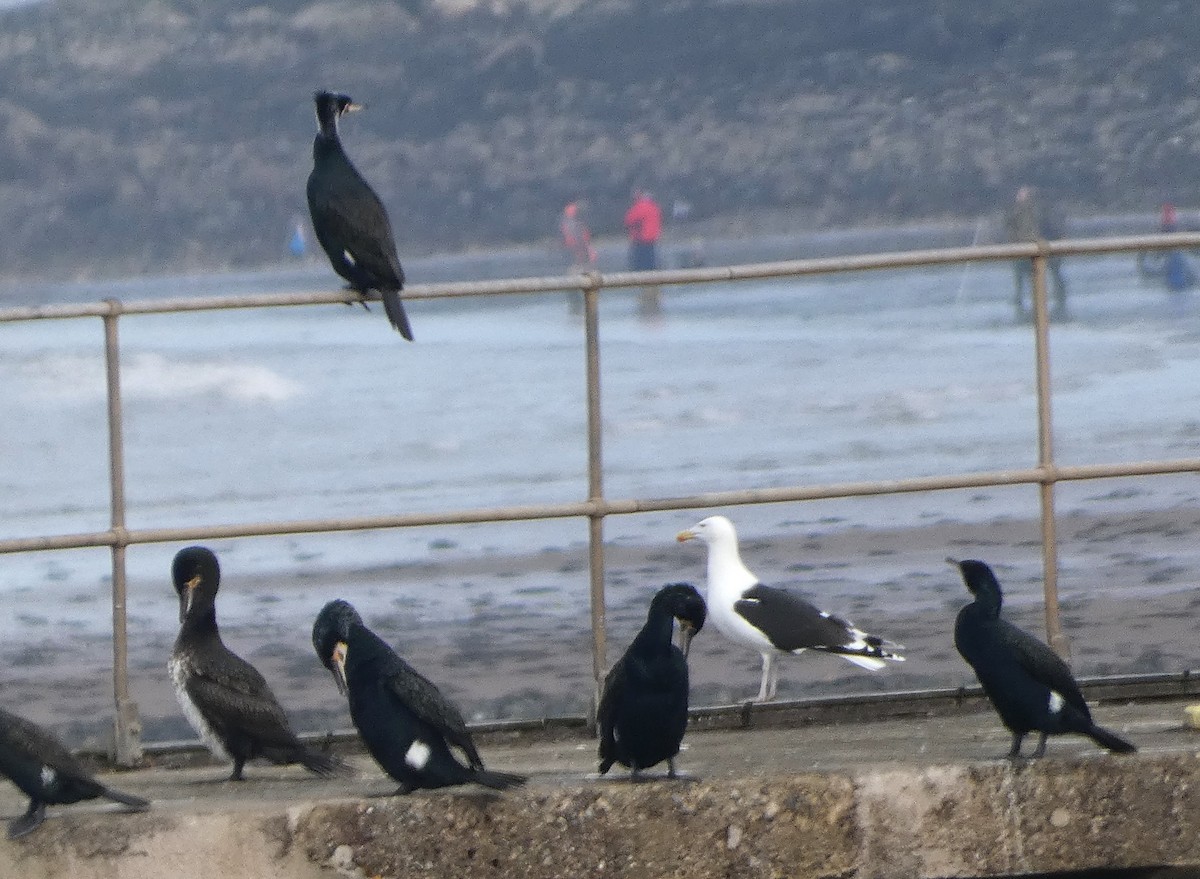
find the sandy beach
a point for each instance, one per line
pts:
(1126, 583)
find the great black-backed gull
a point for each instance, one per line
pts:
(772, 620)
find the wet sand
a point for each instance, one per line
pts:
(1127, 586)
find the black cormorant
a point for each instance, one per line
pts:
(224, 698)
(771, 620)
(404, 720)
(1030, 685)
(39, 764)
(348, 217)
(643, 709)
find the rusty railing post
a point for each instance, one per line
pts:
(1041, 322)
(127, 727)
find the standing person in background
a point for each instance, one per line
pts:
(577, 238)
(1177, 271)
(1028, 221)
(643, 223)
(577, 242)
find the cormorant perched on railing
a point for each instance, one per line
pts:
(224, 698)
(348, 217)
(1030, 685)
(773, 621)
(404, 720)
(39, 764)
(643, 709)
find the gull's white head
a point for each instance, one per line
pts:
(713, 530)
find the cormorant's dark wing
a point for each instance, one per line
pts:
(425, 700)
(233, 696)
(606, 720)
(1043, 664)
(790, 622)
(26, 739)
(352, 227)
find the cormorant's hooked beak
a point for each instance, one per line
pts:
(951, 560)
(353, 107)
(338, 658)
(686, 632)
(684, 536)
(186, 597)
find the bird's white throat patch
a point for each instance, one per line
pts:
(418, 754)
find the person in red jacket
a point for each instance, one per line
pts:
(643, 223)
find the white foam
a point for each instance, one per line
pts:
(151, 376)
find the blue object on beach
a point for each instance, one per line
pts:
(297, 245)
(1179, 274)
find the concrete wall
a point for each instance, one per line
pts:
(878, 823)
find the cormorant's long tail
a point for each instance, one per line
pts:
(1110, 740)
(29, 822)
(498, 780)
(126, 799)
(324, 765)
(395, 312)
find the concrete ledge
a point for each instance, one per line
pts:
(1000, 820)
(877, 822)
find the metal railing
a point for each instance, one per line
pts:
(597, 506)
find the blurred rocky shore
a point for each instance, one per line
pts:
(153, 136)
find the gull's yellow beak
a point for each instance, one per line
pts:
(683, 536)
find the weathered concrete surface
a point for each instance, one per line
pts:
(892, 799)
(799, 826)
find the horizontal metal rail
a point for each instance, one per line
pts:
(602, 506)
(596, 506)
(610, 280)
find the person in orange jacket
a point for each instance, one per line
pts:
(577, 238)
(643, 223)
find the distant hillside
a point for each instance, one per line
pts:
(153, 135)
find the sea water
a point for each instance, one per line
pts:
(321, 412)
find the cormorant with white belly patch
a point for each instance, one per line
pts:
(348, 217)
(224, 698)
(47, 773)
(404, 720)
(1030, 686)
(644, 708)
(774, 621)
